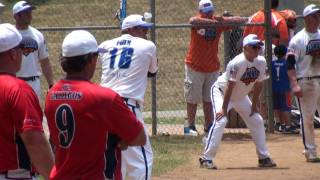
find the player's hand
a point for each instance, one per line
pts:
(254, 110)
(297, 91)
(220, 114)
(123, 145)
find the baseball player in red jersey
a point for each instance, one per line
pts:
(303, 61)
(125, 68)
(22, 139)
(81, 113)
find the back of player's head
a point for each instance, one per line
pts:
(274, 4)
(280, 51)
(78, 48)
(135, 20)
(9, 37)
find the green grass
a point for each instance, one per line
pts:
(172, 151)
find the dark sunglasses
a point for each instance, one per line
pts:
(255, 47)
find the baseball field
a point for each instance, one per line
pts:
(176, 157)
(237, 160)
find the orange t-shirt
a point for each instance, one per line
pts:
(202, 55)
(279, 26)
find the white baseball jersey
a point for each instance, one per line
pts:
(244, 73)
(126, 64)
(301, 45)
(35, 49)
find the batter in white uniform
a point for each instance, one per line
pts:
(244, 73)
(304, 73)
(130, 59)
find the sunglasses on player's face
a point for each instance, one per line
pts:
(255, 47)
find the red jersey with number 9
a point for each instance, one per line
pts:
(80, 114)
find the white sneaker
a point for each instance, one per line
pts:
(191, 133)
(208, 164)
(311, 157)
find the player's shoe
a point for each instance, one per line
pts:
(312, 158)
(190, 131)
(290, 130)
(208, 164)
(267, 162)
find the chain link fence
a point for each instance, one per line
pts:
(56, 18)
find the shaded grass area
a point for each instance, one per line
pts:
(172, 151)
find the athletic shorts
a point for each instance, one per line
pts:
(197, 85)
(282, 101)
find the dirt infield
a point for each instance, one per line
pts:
(237, 160)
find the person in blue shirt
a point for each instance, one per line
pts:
(281, 91)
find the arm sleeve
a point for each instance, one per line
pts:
(291, 62)
(264, 71)
(153, 67)
(26, 110)
(232, 72)
(283, 30)
(43, 48)
(125, 124)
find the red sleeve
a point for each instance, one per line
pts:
(283, 29)
(124, 123)
(26, 110)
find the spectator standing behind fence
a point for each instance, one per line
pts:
(35, 49)
(202, 64)
(81, 113)
(279, 26)
(131, 58)
(22, 139)
(291, 20)
(244, 73)
(304, 73)
(281, 91)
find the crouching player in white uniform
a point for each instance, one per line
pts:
(244, 73)
(125, 68)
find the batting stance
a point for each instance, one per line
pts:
(245, 72)
(303, 61)
(130, 59)
(81, 113)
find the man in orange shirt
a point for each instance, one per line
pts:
(202, 63)
(279, 26)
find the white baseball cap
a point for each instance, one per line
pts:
(79, 42)
(135, 20)
(206, 6)
(310, 9)
(252, 39)
(9, 37)
(21, 6)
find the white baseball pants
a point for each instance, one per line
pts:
(36, 86)
(136, 161)
(309, 103)
(254, 123)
